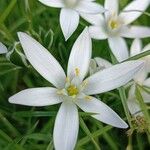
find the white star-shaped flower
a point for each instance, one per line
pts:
(115, 25)
(3, 48)
(73, 89)
(140, 79)
(70, 12)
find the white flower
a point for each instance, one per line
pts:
(98, 64)
(114, 25)
(73, 90)
(132, 102)
(140, 78)
(3, 48)
(70, 12)
(137, 48)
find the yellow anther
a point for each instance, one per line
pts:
(88, 98)
(72, 90)
(84, 83)
(60, 92)
(77, 71)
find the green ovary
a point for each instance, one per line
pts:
(72, 90)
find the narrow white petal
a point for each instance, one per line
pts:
(140, 75)
(133, 10)
(136, 32)
(136, 47)
(69, 20)
(102, 62)
(147, 82)
(42, 60)
(111, 7)
(89, 7)
(119, 48)
(103, 112)
(66, 127)
(146, 48)
(131, 93)
(80, 55)
(95, 19)
(53, 3)
(134, 107)
(113, 77)
(36, 97)
(98, 32)
(3, 49)
(146, 96)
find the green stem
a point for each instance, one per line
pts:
(143, 106)
(94, 135)
(108, 138)
(125, 106)
(87, 131)
(7, 11)
(139, 56)
(9, 125)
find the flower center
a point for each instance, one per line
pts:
(71, 3)
(114, 24)
(72, 90)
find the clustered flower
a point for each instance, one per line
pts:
(87, 77)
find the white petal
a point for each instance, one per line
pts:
(136, 32)
(146, 96)
(136, 47)
(104, 113)
(111, 7)
(89, 7)
(102, 62)
(134, 107)
(3, 49)
(131, 93)
(53, 3)
(69, 20)
(36, 97)
(42, 60)
(80, 55)
(133, 10)
(119, 48)
(140, 76)
(113, 77)
(146, 48)
(66, 127)
(147, 82)
(98, 32)
(95, 19)
(92, 67)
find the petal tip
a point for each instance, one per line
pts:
(10, 100)
(124, 125)
(21, 35)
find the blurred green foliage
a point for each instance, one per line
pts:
(23, 128)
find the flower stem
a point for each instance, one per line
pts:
(87, 131)
(143, 106)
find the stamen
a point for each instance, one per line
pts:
(72, 90)
(67, 79)
(88, 98)
(84, 83)
(61, 92)
(77, 71)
